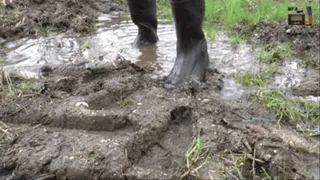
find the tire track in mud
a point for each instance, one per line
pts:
(133, 129)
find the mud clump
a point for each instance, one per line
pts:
(38, 17)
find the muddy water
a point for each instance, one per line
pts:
(113, 41)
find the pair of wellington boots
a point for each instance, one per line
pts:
(192, 58)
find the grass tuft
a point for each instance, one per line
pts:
(266, 175)
(275, 52)
(250, 79)
(6, 85)
(237, 165)
(287, 108)
(12, 85)
(196, 157)
(123, 102)
(259, 79)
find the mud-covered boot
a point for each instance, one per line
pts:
(192, 58)
(144, 15)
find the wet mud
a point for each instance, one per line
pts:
(113, 41)
(304, 40)
(97, 108)
(38, 17)
(305, 45)
(116, 121)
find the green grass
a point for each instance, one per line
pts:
(85, 43)
(164, 9)
(251, 79)
(241, 16)
(271, 56)
(123, 102)
(236, 39)
(286, 108)
(258, 79)
(271, 70)
(266, 175)
(275, 52)
(42, 32)
(196, 157)
(6, 84)
(236, 168)
(13, 85)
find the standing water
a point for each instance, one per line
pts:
(113, 39)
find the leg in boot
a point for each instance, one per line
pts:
(192, 55)
(144, 15)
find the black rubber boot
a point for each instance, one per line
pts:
(192, 53)
(144, 15)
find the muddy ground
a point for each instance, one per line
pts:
(38, 17)
(107, 121)
(303, 40)
(305, 45)
(104, 120)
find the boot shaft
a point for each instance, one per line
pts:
(144, 12)
(144, 15)
(188, 16)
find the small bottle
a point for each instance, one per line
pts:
(309, 12)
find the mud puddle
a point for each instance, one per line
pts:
(113, 41)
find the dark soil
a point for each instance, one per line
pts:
(115, 121)
(304, 40)
(38, 17)
(305, 44)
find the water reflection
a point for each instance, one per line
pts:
(148, 55)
